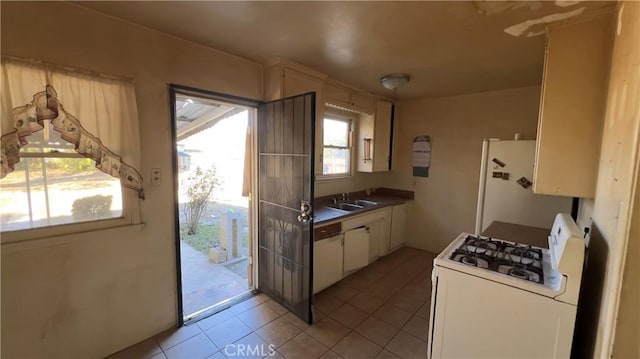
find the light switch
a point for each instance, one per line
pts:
(156, 176)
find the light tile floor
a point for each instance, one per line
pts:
(381, 311)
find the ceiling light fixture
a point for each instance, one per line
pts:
(394, 81)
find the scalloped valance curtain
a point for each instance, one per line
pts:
(99, 117)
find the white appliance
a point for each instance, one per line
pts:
(499, 299)
(500, 195)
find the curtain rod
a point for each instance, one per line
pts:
(73, 70)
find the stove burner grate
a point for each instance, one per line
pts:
(512, 259)
(519, 273)
(480, 246)
(523, 252)
(469, 260)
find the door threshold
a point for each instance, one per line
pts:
(218, 307)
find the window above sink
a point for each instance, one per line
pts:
(336, 145)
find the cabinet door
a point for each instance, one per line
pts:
(572, 107)
(378, 127)
(297, 83)
(362, 103)
(379, 238)
(375, 234)
(398, 220)
(364, 156)
(356, 249)
(348, 98)
(337, 95)
(327, 262)
(382, 136)
(385, 235)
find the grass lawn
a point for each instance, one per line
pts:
(206, 237)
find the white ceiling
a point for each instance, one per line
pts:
(448, 48)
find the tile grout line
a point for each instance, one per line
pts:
(364, 278)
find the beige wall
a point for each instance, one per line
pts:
(617, 176)
(445, 202)
(90, 294)
(627, 338)
(357, 182)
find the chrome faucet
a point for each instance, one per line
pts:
(344, 197)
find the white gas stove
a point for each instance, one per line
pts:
(496, 298)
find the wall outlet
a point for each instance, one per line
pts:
(156, 176)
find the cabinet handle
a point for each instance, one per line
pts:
(367, 149)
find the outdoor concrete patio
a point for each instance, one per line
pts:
(205, 283)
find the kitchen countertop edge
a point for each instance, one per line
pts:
(384, 198)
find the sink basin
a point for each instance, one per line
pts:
(346, 206)
(364, 203)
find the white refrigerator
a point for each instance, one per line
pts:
(505, 191)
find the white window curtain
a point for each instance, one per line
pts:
(96, 113)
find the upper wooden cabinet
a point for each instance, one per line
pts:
(347, 98)
(286, 79)
(374, 139)
(572, 104)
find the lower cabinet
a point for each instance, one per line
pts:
(327, 262)
(379, 237)
(378, 223)
(356, 249)
(384, 238)
(356, 242)
(398, 220)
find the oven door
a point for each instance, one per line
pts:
(473, 317)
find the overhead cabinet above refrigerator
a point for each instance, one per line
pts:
(572, 106)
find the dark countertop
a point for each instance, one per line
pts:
(534, 236)
(383, 196)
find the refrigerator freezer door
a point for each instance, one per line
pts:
(504, 199)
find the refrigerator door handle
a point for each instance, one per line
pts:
(482, 185)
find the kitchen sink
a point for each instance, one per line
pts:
(364, 203)
(346, 206)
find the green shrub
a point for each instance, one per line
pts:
(199, 185)
(94, 207)
(208, 236)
